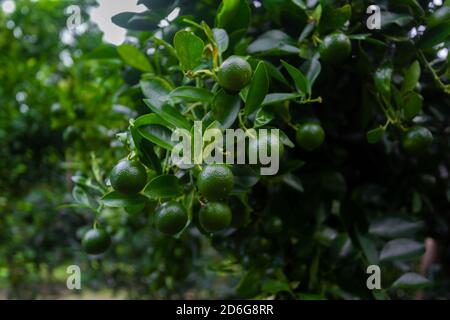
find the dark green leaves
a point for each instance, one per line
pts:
(233, 15)
(169, 114)
(138, 21)
(435, 35)
(411, 280)
(314, 69)
(412, 76)
(412, 105)
(153, 128)
(375, 135)
(402, 250)
(273, 42)
(189, 49)
(301, 82)
(262, 118)
(300, 3)
(116, 199)
(221, 39)
(155, 88)
(382, 79)
(392, 227)
(333, 19)
(134, 57)
(259, 86)
(273, 98)
(164, 186)
(191, 94)
(225, 108)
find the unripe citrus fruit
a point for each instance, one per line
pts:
(95, 241)
(310, 136)
(234, 73)
(335, 48)
(215, 216)
(274, 225)
(128, 176)
(171, 217)
(417, 139)
(215, 182)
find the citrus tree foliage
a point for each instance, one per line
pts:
(363, 118)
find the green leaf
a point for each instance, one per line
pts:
(262, 118)
(440, 15)
(80, 196)
(412, 76)
(412, 105)
(145, 150)
(221, 38)
(102, 52)
(275, 73)
(192, 94)
(435, 35)
(300, 80)
(368, 247)
(382, 79)
(294, 182)
(394, 227)
(249, 285)
(314, 69)
(169, 114)
(258, 88)
(300, 3)
(273, 42)
(233, 15)
(273, 98)
(317, 13)
(150, 118)
(375, 135)
(402, 250)
(285, 139)
(225, 108)
(143, 21)
(400, 19)
(134, 57)
(333, 19)
(189, 49)
(307, 30)
(272, 286)
(117, 199)
(411, 280)
(157, 134)
(164, 186)
(170, 49)
(414, 5)
(155, 88)
(361, 36)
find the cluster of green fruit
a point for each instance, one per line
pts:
(214, 183)
(235, 73)
(336, 48)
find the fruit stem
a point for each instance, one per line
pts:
(437, 79)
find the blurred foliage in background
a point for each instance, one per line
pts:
(313, 229)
